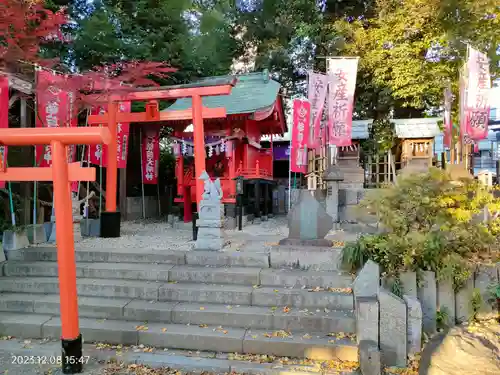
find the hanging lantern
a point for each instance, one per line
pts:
(217, 151)
(421, 148)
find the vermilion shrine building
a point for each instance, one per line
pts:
(254, 108)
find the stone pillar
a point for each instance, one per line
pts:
(332, 178)
(266, 201)
(231, 219)
(257, 200)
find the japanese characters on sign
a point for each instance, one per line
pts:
(4, 119)
(150, 155)
(342, 74)
(300, 135)
(317, 89)
(477, 111)
(99, 153)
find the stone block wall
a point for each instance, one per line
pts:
(396, 324)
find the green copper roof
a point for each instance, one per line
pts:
(252, 92)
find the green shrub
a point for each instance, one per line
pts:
(430, 223)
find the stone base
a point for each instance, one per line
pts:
(110, 224)
(90, 227)
(52, 235)
(313, 258)
(13, 241)
(210, 238)
(48, 230)
(36, 234)
(298, 242)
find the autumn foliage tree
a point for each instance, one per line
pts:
(25, 25)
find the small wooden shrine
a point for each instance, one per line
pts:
(416, 141)
(232, 144)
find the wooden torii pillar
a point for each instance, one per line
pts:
(110, 219)
(61, 173)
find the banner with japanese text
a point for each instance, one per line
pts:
(316, 91)
(150, 145)
(55, 108)
(4, 119)
(95, 152)
(123, 130)
(300, 135)
(448, 125)
(122, 137)
(342, 75)
(477, 109)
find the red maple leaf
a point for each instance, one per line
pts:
(26, 25)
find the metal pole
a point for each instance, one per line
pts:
(142, 179)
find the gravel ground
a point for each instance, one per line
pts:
(149, 234)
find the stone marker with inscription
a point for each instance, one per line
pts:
(210, 223)
(308, 223)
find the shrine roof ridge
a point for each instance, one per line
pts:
(251, 93)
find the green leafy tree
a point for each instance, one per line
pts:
(430, 222)
(411, 50)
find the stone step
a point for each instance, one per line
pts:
(298, 278)
(126, 271)
(206, 293)
(125, 255)
(181, 336)
(186, 292)
(216, 275)
(129, 255)
(227, 259)
(303, 298)
(141, 271)
(253, 317)
(257, 317)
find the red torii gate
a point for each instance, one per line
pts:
(61, 173)
(110, 219)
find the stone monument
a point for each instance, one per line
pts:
(333, 177)
(210, 222)
(308, 223)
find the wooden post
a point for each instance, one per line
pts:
(377, 170)
(199, 145)
(123, 193)
(61, 174)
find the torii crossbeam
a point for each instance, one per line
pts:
(61, 173)
(110, 218)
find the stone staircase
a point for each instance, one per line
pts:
(196, 300)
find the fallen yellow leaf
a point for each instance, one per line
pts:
(202, 308)
(164, 330)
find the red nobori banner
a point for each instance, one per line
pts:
(56, 108)
(342, 74)
(316, 91)
(4, 119)
(300, 135)
(477, 110)
(95, 153)
(448, 125)
(122, 134)
(150, 155)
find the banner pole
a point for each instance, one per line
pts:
(35, 183)
(290, 178)
(142, 179)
